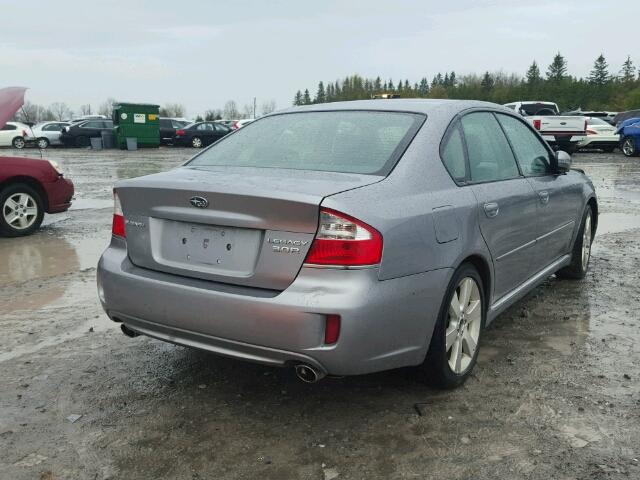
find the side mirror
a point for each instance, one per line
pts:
(563, 161)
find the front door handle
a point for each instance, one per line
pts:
(491, 209)
(544, 197)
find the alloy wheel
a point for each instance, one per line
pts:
(628, 147)
(43, 143)
(196, 142)
(464, 322)
(19, 143)
(20, 211)
(586, 242)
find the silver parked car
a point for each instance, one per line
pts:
(348, 238)
(47, 133)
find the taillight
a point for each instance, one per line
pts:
(592, 132)
(331, 329)
(180, 132)
(537, 124)
(342, 240)
(234, 125)
(117, 226)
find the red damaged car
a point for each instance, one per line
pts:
(30, 187)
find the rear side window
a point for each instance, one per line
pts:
(532, 155)
(9, 127)
(490, 157)
(453, 155)
(367, 142)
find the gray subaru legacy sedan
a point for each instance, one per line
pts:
(348, 238)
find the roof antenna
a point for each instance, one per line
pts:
(26, 116)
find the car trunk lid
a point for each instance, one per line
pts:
(244, 226)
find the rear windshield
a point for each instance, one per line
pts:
(341, 141)
(538, 109)
(597, 121)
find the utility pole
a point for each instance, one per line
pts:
(254, 107)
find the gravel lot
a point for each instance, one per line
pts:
(556, 393)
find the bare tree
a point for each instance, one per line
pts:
(60, 111)
(268, 107)
(215, 114)
(106, 108)
(172, 110)
(85, 109)
(230, 110)
(247, 111)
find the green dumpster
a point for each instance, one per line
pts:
(137, 120)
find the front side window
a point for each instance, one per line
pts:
(92, 125)
(367, 142)
(531, 153)
(490, 157)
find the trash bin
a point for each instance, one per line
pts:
(96, 143)
(132, 143)
(139, 120)
(108, 139)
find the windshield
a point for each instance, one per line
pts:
(597, 121)
(346, 141)
(539, 109)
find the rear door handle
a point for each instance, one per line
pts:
(544, 197)
(491, 209)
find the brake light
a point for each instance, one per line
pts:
(331, 329)
(234, 125)
(117, 226)
(537, 124)
(342, 240)
(180, 132)
(591, 132)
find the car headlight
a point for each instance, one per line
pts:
(55, 166)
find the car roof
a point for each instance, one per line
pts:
(437, 110)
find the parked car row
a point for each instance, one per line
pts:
(78, 132)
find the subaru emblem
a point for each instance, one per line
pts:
(199, 202)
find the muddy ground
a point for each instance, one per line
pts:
(555, 395)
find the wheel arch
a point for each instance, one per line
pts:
(32, 182)
(593, 203)
(483, 267)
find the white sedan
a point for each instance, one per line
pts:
(48, 133)
(15, 134)
(600, 135)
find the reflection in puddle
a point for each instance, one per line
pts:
(37, 256)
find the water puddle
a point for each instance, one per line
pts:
(617, 222)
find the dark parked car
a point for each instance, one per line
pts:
(30, 187)
(80, 134)
(168, 128)
(349, 238)
(622, 116)
(201, 134)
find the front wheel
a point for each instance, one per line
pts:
(22, 210)
(629, 147)
(18, 143)
(42, 143)
(581, 253)
(454, 346)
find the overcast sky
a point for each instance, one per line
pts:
(202, 53)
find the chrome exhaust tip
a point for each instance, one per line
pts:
(307, 373)
(128, 332)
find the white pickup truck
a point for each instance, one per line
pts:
(561, 132)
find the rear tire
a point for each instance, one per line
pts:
(19, 143)
(455, 342)
(196, 142)
(42, 143)
(629, 147)
(21, 210)
(581, 252)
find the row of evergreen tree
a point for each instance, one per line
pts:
(601, 90)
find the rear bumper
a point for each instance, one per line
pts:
(59, 193)
(385, 324)
(595, 141)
